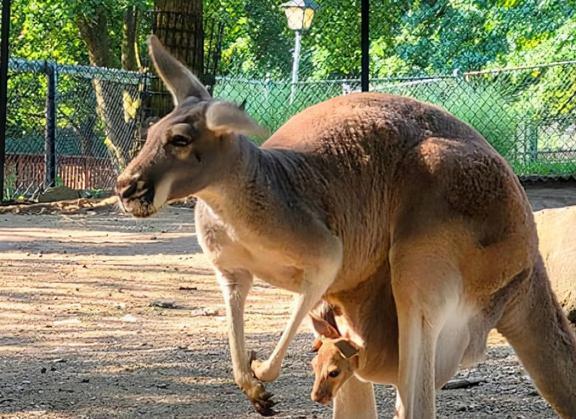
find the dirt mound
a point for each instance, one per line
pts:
(73, 206)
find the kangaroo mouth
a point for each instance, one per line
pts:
(324, 399)
(141, 205)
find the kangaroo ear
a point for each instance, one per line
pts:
(178, 79)
(227, 118)
(242, 106)
(347, 349)
(324, 328)
(316, 345)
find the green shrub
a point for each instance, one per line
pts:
(491, 108)
(270, 102)
(482, 106)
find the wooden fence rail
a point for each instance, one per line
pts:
(76, 172)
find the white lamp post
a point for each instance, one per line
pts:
(300, 14)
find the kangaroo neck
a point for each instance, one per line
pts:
(246, 189)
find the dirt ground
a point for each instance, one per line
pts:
(82, 336)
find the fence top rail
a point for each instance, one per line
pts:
(409, 82)
(520, 68)
(84, 71)
(429, 78)
(227, 79)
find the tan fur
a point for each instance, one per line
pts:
(227, 118)
(336, 360)
(360, 197)
(557, 235)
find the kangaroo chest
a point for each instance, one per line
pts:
(230, 254)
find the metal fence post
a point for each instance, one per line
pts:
(532, 136)
(4, 44)
(50, 132)
(365, 45)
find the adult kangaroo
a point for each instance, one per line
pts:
(352, 187)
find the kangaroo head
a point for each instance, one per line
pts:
(187, 150)
(335, 361)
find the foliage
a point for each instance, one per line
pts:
(255, 33)
(408, 38)
(48, 29)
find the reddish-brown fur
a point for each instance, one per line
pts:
(397, 213)
(336, 357)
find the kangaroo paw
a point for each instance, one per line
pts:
(257, 394)
(262, 400)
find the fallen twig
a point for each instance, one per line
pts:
(462, 383)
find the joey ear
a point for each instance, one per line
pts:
(347, 349)
(227, 118)
(316, 345)
(178, 79)
(324, 328)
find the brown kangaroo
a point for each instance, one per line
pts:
(359, 191)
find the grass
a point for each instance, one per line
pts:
(481, 106)
(270, 102)
(544, 168)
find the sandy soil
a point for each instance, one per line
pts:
(82, 336)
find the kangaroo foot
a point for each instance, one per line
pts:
(256, 393)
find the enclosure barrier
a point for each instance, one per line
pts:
(67, 125)
(528, 114)
(77, 125)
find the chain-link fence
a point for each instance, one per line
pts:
(528, 114)
(67, 125)
(515, 83)
(272, 103)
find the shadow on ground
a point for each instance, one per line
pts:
(80, 337)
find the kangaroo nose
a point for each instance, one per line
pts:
(127, 186)
(128, 190)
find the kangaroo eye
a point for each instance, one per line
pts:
(334, 374)
(180, 141)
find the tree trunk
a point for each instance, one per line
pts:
(130, 56)
(94, 32)
(179, 26)
(115, 104)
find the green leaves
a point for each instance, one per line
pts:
(407, 38)
(48, 29)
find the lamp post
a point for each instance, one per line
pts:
(300, 14)
(4, 42)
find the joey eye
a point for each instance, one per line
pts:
(334, 374)
(180, 141)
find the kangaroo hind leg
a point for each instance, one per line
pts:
(426, 291)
